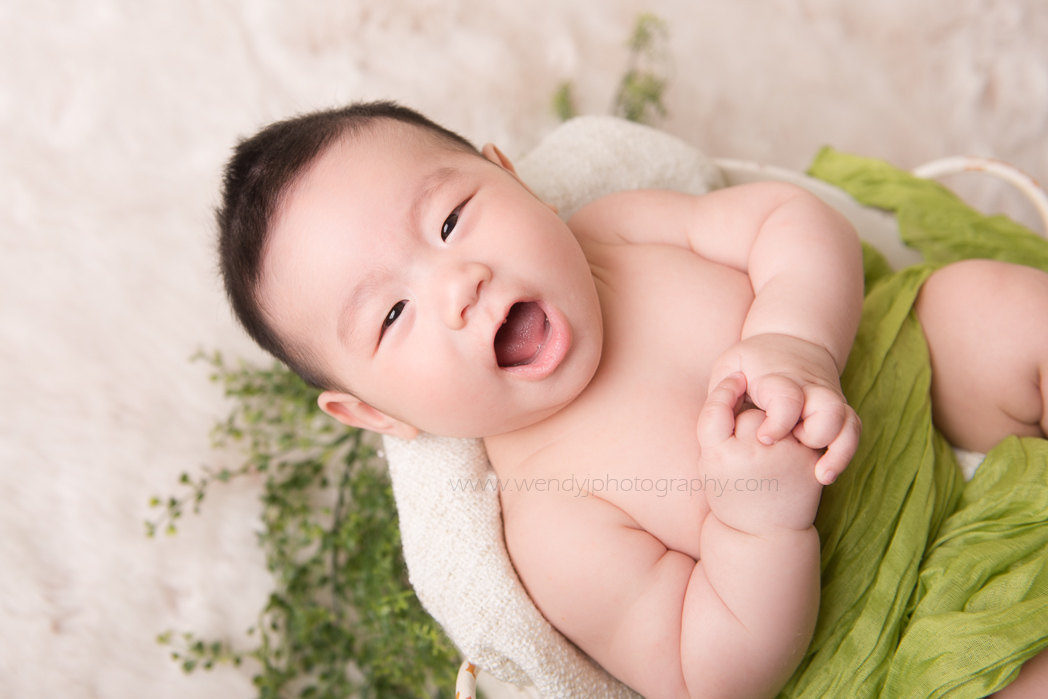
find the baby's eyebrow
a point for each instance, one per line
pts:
(348, 330)
(429, 186)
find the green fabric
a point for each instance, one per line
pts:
(931, 586)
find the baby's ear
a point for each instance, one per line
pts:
(492, 153)
(351, 411)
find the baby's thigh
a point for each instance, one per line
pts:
(986, 323)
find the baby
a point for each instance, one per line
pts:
(682, 339)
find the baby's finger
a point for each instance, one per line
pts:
(840, 452)
(717, 419)
(823, 417)
(782, 400)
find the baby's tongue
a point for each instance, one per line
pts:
(521, 337)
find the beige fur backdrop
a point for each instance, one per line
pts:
(115, 119)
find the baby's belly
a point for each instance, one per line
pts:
(640, 454)
(669, 315)
(655, 480)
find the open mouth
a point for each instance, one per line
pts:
(522, 336)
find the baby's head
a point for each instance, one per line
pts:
(416, 279)
(257, 179)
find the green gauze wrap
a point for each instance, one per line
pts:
(931, 586)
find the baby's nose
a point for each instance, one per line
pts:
(460, 285)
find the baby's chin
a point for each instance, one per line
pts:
(492, 423)
(489, 429)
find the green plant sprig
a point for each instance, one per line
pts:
(644, 81)
(342, 619)
(647, 72)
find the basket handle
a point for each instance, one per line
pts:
(998, 168)
(466, 681)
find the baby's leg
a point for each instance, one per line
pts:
(987, 328)
(1032, 682)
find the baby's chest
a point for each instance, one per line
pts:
(668, 315)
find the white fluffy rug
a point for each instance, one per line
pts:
(115, 118)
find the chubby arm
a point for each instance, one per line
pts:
(760, 550)
(802, 256)
(804, 263)
(735, 623)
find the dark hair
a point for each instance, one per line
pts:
(259, 173)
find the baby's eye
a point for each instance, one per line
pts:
(449, 223)
(392, 316)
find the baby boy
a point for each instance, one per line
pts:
(425, 288)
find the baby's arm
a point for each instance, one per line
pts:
(733, 624)
(805, 266)
(760, 549)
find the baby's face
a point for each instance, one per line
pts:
(433, 284)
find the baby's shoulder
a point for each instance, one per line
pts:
(616, 218)
(636, 217)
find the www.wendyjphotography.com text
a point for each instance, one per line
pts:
(590, 485)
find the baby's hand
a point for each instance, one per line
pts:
(796, 384)
(753, 486)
